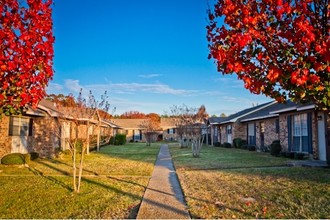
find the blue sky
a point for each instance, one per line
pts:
(148, 54)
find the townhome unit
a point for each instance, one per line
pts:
(48, 129)
(298, 127)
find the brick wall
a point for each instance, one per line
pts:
(44, 137)
(239, 131)
(5, 140)
(269, 131)
(284, 132)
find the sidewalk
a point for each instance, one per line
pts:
(163, 198)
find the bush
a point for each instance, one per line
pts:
(239, 142)
(217, 144)
(27, 158)
(244, 146)
(66, 152)
(119, 139)
(227, 145)
(14, 158)
(251, 147)
(299, 156)
(289, 154)
(275, 148)
(34, 155)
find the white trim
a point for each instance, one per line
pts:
(250, 112)
(307, 107)
(295, 108)
(283, 110)
(260, 117)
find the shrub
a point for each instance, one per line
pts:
(34, 155)
(244, 146)
(251, 147)
(299, 156)
(239, 142)
(289, 154)
(14, 158)
(227, 145)
(66, 152)
(119, 139)
(27, 158)
(217, 144)
(275, 148)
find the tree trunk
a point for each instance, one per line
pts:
(81, 168)
(194, 145)
(74, 168)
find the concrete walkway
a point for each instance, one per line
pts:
(163, 198)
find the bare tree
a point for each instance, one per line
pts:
(150, 127)
(75, 122)
(189, 122)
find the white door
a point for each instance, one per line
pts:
(229, 132)
(321, 136)
(65, 135)
(19, 144)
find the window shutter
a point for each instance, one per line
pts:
(289, 133)
(168, 131)
(247, 132)
(277, 126)
(140, 135)
(255, 134)
(173, 130)
(310, 133)
(11, 124)
(30, 126)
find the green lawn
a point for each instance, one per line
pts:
(220, 158)
(114, 181)
(234, 183)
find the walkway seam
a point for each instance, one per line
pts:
(163, 198)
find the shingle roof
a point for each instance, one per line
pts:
(128, 123)
(273, 110)
(166, 123)
(244, 112)
(216, 120)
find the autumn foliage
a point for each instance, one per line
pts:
(277, 47)
(26, 52)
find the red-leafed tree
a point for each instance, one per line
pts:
(277, 47)
(26, 53)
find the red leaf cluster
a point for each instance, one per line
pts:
(26, 52)
(278, 48)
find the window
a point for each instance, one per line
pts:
(262, 127)
(170, 131)
(20, 126)
(215, 131)
(251, 134)
(299, 133)
(137, 135)
(229, 129)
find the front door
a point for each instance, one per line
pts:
(321, 128)
(262, 135)
(19, 144)
(229, 132)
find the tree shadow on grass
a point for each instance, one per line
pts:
(51, 178)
